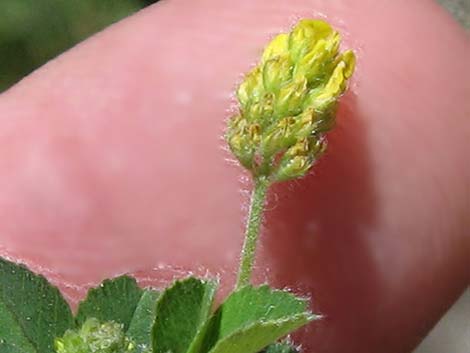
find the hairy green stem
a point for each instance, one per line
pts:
(253, 225)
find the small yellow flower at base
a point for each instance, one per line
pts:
(288, 102)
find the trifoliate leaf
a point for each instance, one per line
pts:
(113, 300)
(252, 318)
(140, 328)
(182, 311)
(32, 311)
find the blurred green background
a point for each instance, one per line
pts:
(34, 31)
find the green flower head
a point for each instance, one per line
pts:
(95, 337)
(288, 101)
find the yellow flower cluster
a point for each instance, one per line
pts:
(288, 102)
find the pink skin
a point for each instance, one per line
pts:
(113, 162)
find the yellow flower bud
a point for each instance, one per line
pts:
(349, 59)
(241, 140)
(290, 98)
(333, 88)
(305, 123)
(279, 46)
(261, 110)
(318, 63)
(298, 159)
(251, 88)
(295, 167)
(304, 36)
(311, 65)
(276, 72)
(278, 137)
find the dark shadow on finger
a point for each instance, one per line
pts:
(316, 240)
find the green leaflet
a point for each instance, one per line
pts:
(140, 328)
(182, 311)
(255, 337)
(252, 318)
(11, 333)
(32, 311)
(114, 300)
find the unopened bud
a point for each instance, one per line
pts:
(279, 46)
(96, 337)
(251, 88)
(290, 98)
(298, 159)
(240, 140)
(262, 109)
(279, 137)
(305, 35)
(276, 72)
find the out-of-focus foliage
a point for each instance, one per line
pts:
(34, 31)
(460, 9)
